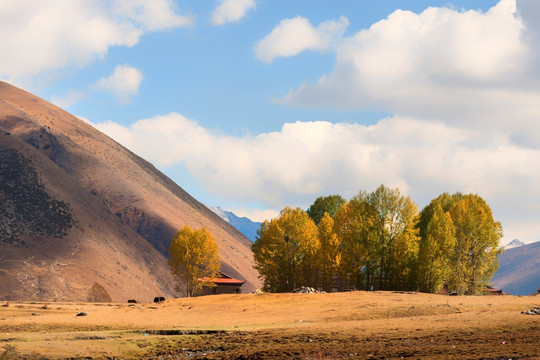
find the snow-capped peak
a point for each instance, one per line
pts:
(513, 244)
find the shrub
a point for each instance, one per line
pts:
(98, 294)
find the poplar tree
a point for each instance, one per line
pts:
(329, 255)
(460, 244)
(394, 226)
(325, 204)
(194, 255)
(285, 251)
(474, 260)
(354, 225)
(436, 244)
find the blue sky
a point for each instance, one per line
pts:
(253, 105)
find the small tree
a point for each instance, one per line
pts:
(194, 255)
(97, 293)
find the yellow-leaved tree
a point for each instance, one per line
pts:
(194, 259)
(285, 251)
(329, 257)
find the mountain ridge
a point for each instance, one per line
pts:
(519, 270)
(142, 207)
(243, 224)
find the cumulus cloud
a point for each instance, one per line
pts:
(292, 36)
(151, 15)
(256, 214)
(231, 11)
(51, 35)
(468, 68)
(308, 159)
(124, 83)
(70, 98)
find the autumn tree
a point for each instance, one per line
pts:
(325, 204)
(394, 225)
(353, 224)
(474, 260)
(329, 254)
(285, 251)
(97, 293)
(460, 244)
(436, 244)
(194, 255)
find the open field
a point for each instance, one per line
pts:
(375, 325)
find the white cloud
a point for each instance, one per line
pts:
(231, 11)
(123, 83)
(467, 68)
(70, 98)
(292, 36)
(256, 214)
(50, 35)
(306, 160)
(151, 15)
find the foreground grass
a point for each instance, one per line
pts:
(305, 326)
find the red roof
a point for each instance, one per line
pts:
(223, 279)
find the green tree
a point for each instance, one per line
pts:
(325, 204)
(394, 225)
(194, 255)
(285, 251)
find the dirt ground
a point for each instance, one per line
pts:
(364, 325)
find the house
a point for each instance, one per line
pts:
(225, 284)
(492, 291)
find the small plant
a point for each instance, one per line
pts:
(10, 352)
(98, 294)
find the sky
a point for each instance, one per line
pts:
(254, 105)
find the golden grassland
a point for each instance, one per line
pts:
(376, 325)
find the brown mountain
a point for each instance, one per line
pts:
(77, 208)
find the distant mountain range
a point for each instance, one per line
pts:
(246, 226)
(519, 271)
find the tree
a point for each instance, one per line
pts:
(460, 242)
(353, 224)
(436, 244)
(325, 204)
(474, 260)
(97, 293)
(329, 255)
(394, 225)
(285, 251)
(194, 255)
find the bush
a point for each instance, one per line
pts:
(98, 294)
(10, 352)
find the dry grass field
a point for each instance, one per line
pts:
(365, 325)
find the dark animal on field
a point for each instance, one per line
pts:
(158, 299)
(132, 301)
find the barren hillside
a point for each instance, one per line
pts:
(77, 207)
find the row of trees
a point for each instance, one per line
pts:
(379, 241)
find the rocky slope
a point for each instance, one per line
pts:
(77, 208)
